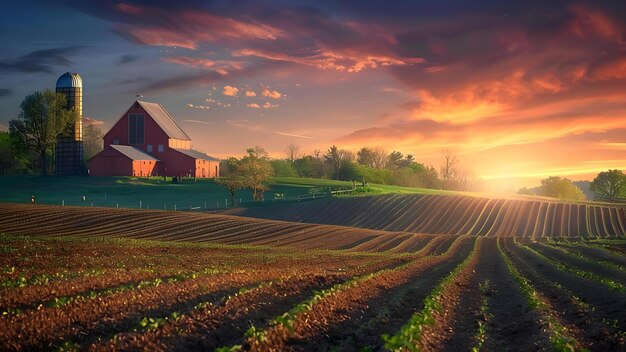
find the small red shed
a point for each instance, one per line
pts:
(146, 141)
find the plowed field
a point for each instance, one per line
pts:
(454, 215)
(106, 280)
(201, 228)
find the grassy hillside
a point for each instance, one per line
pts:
(155, 193)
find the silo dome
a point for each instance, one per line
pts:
(70, 80)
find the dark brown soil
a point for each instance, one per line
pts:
(574, 262)
(356, 317)
(594, 332)
(510, 322)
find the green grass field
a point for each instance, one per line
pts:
(155, 193)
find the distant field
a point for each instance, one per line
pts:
(455, 215)
(155, 193)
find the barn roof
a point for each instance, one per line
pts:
(164, 120)
(133, 153)
(196, 154)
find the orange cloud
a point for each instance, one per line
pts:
(230, 91)
(332, 60)
(199, 107)
(250, 93)
(271, 93)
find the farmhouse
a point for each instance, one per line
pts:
(146, 141)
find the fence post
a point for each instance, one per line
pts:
(140, 204)
(117, 205)
(218, 204)
(174, 207)
(63, 202)
(92, 204)
(205, 208)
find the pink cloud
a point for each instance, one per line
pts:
(189, 29)
(221, 66)
(128, 9)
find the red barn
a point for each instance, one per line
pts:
(146, 141)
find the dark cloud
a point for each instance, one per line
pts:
(136, 80)
(184, 81)
(5, 92)
(127, 58)
(41, 60)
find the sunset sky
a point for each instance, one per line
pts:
(519, 90)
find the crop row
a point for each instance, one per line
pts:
(192, 227)
(438, 214)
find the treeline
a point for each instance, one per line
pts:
(368, 165)
(28, 146)
(606, 186)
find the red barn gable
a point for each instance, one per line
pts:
(146, 141)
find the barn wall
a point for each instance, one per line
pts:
(153, 134)
(107, 164)
(177, 164)
(177, 143)
(206, 169)
(143, 168)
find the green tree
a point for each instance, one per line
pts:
(394, 160)
(92, 141)
(561, 188)
(283, 168)
(365, 156)
(333, 158)
(255, 169)
(232, 184)
(42, 119)
(307, 166)
(609, 184)
(12, 161)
